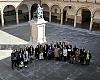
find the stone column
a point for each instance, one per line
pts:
(62, 17)
(91, 23)
(2, 18)
(29, 8)
(75, 20)
(29, 15)
(50, 16)
(17, 19)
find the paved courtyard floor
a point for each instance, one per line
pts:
(54, 70)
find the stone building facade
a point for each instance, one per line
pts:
(74, 12)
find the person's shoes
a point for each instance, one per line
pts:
(25, 66)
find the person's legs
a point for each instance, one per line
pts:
(12, 64)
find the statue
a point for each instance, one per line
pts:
(38, 14)
(35, 15)
(38, 27)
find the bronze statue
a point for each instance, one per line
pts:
(38, 14)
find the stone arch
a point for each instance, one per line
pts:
(9, 14)
(4, 6)
(33, 9)
(55, 13)
(23, 13)
(96, 19)
(95, 11)
(83, 15)
(45, 11)
(55, 5)
(68, 15)
(83, 7)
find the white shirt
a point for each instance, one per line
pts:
(64, 52)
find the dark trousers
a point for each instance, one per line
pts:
(82, 61)
(87, 62)
(45, 56)
(65, 58)
(13, 64)
(49, 56)
(37, 56)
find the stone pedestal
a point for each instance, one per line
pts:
(38, 31)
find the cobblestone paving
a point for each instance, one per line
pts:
(54, 70)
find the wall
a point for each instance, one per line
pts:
(97, 17)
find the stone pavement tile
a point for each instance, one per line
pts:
(37, 65)
(1, 79)
(3, 67)
(5, 74)
(18, 76)
(7, 61)
(88, 77)
(36, 76)
(32, 77)
(53, 77)
(25, 72)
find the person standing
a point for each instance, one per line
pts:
(65, 53)
(26, 59)
(13, 59)
(45, 50)
(50, 51)
(88, 57)
(82, 56)
(37, 52)
(69, 48)
(56, 52)
(41, 53)
(77, 53)
(31, 53)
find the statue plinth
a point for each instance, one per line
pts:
(38, 31)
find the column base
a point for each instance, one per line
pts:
(42, 40)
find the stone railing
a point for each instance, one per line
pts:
(87, 1)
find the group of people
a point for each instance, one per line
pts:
(60, 51)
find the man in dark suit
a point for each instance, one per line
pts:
(13, 59)
(37, 52)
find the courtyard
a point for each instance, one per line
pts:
(55, 70)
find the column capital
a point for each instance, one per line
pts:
(29, 7)
(49, 10)
(16, 10)
(75, 14)
(61, 10)
(92, 16)
(17, 20)
(2, 12)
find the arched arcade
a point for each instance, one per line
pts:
(23, 13)
(55, 14)
(9, 15)
(96, 20)
(45, 12)
(68, 15)
(83, 18)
